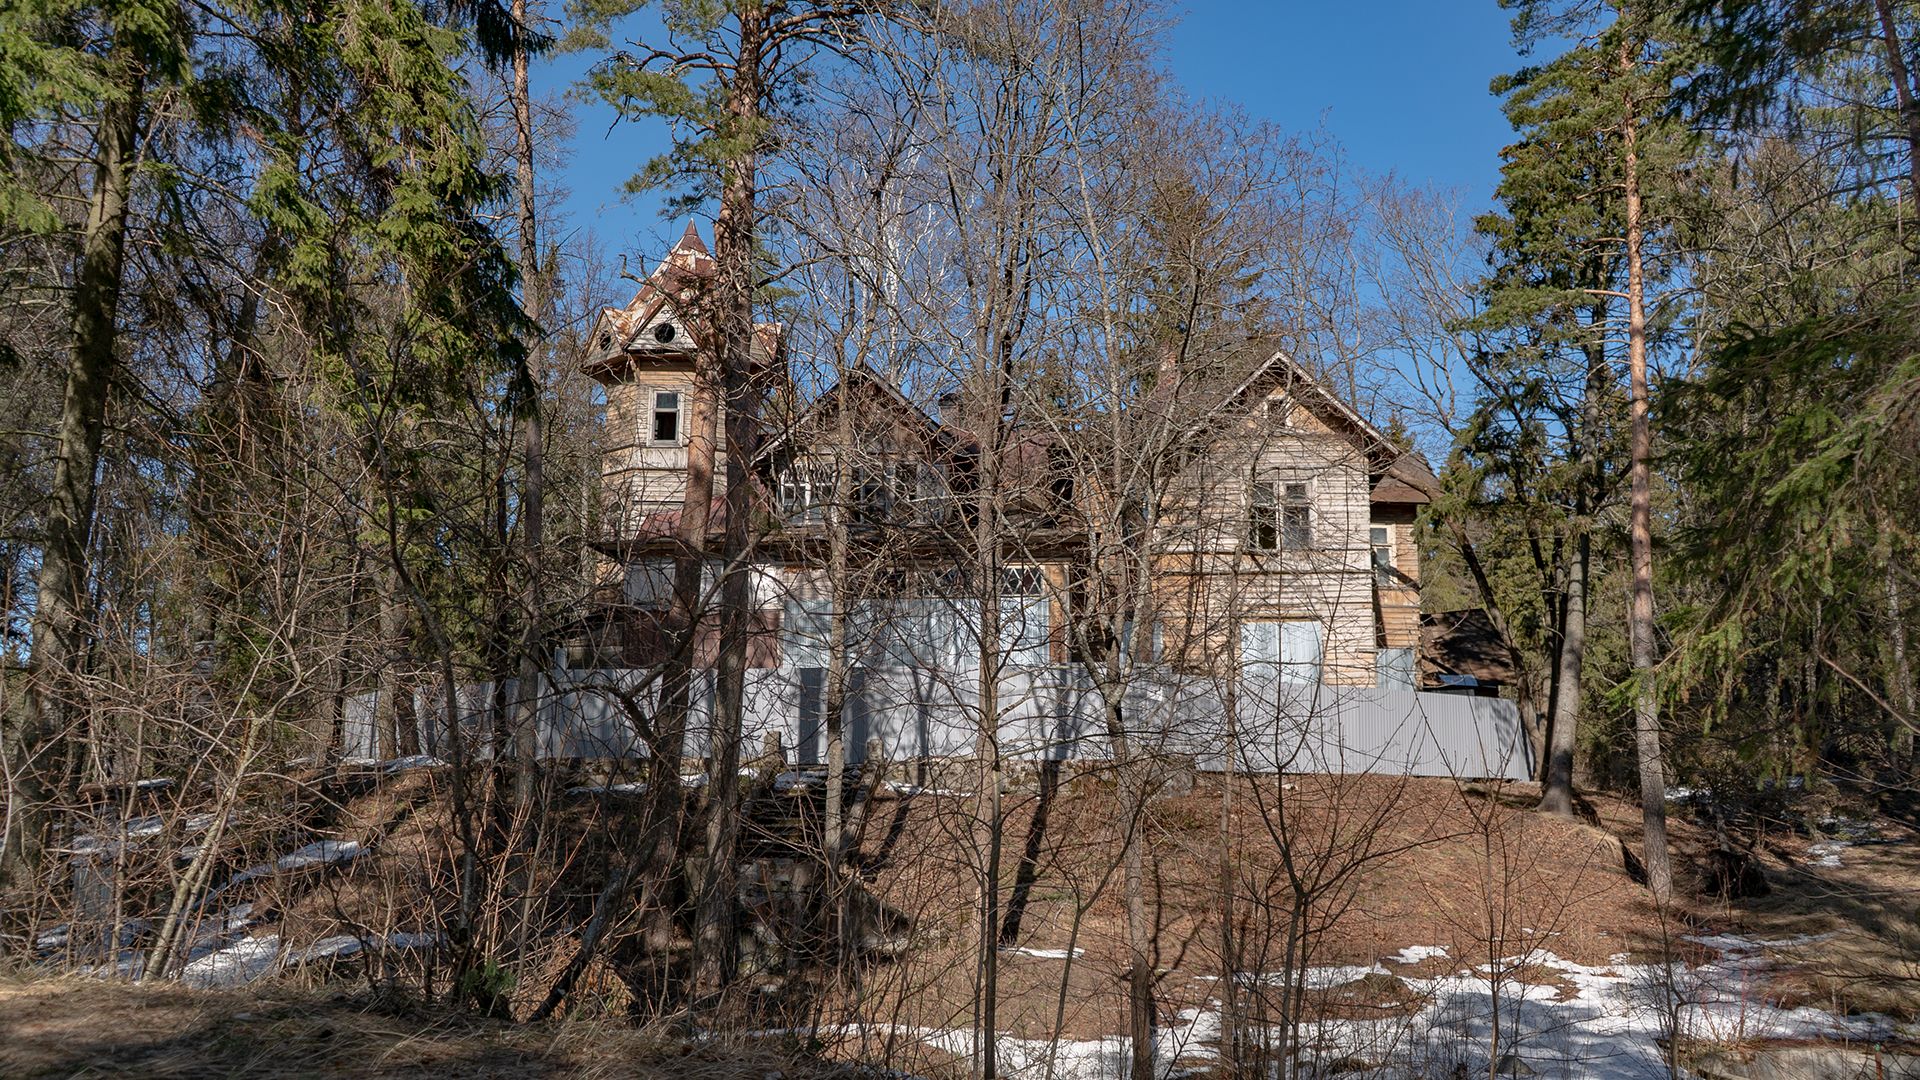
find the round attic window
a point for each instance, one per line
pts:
(663, 333)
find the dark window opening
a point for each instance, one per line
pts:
(1280, 517)
(1296, 518)
(666, 417)
(1263, 526)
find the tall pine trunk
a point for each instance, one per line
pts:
(733, 250)
(37, 746)
(1646, 714)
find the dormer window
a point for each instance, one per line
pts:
(666, 418)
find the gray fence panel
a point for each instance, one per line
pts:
(1054, 713)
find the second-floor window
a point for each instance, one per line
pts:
(665, 427)
(1381, 539)
(806, 491)
(1280, 516)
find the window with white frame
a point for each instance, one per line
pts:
(806, 491)
(664, 424)
(1381, 540)
(650, 583)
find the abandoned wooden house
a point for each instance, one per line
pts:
(1290, 547)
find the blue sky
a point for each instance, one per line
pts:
(1400, 84)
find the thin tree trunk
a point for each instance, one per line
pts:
(987, 820)
(36, 751)
(836, 690)
(525, 733)
(1903, 688)
(1646, 715)
(391, 736)
(1229, 988)
(1133, 798)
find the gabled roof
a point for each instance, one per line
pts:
(938, 435)
(1399, 475)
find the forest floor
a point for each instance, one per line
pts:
(1442, 889)
(1426, 904)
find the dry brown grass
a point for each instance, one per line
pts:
(82, 1027)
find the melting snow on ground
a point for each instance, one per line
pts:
(1827, 853)
(250, 958)
(140, 828)
(903, 790)
(1596, 1023)
(1042, 954)
(1414, 954)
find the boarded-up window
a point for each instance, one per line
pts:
(650, 583)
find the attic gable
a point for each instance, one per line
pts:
(1397, 474)
(875, 396)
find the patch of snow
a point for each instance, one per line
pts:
(236, 965)
(793, 781)
(903, 790)
(341, 946)
(1827, 853)
(140, 828)
(1414, 954)
(1734, 943)
(1605, 1030)
(318, 853)
(1043, 954)
(634, 788)
(410, 762)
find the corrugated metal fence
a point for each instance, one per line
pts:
(1042, 713)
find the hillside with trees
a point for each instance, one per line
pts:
(1050, 577)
